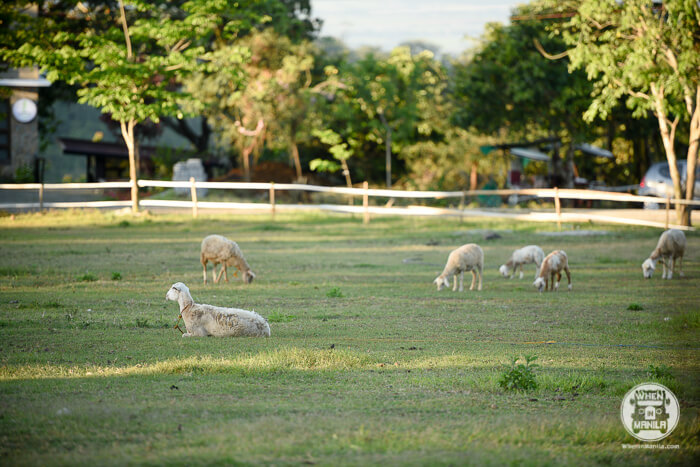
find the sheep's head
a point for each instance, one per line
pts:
(539, 284)
(441, 282)
(648, 267)
(248, 277)
(174, 292)
(505, 272)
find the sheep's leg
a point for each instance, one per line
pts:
(204, 274)
(663, 263)
(461, 281)
(551, 284)
(221, 271)
(454, 285)
(671, 267)
(225, 273)
(213, 272)
(680, 266)
(556, 284)
(521, 271)
(480, 271)
(568, 276)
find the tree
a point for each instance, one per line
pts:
(388, 93)
(646, 52)
(507, 89)
(132, 66)
(289, 19)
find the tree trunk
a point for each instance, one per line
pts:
(295, 158)
(668, 136)
(246, 162)
(387, 127)
(691, 165)
(128, 135)
(474, 176)
(346, 172)
(388, 157)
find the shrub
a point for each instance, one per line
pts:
(116, 276)
(519, 376)
(87, 277)
(335, 292)
(635, 307)
(659, 372)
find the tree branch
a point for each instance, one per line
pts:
(126, 30)
(546, 55)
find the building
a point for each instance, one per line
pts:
(19, 127)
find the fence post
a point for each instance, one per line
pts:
(193, 190)
(668, 209)
(41, 197)
(557, 206)
(365, 202)
(272, 198)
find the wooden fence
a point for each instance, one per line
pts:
(365, 193)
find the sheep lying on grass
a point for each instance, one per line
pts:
(468, 257)
(525, 255)
(671, 245)
(208, 320)
(219, 249)
(552, 265)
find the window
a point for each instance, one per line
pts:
(5, 112)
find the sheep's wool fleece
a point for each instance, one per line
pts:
(218, 248)
(223, 322)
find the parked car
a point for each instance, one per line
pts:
(657, 182)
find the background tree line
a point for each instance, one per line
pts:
(264, 86)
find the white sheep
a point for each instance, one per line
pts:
(219, 249)
(469, 257)
(208, 320)
(552, 266)
(525, 255)
(671, 246)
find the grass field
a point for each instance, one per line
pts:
(367, 363)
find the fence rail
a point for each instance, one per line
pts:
(365, 192)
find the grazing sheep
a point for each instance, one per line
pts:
(208, 320)
(552, 265)
(525, 255)
(468, 257)
(671, 246)
(219, 249)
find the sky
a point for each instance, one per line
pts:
(387, 23)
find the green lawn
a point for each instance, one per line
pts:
(367, 363)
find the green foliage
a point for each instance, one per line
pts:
(635, 307)
(24, 174)
(334, 292)
(276, 317)
(141, 323)
(116, 276)
(519, 376)
(660, 372)
(87, 277)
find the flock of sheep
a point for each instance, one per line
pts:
(208, 320)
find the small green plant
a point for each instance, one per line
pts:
(659, 372)
(276, 317)
(116, 276)
(635, 307)
(141, 323)
(87, 277)
(335, 292)
(519, 376)
(124, 223)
